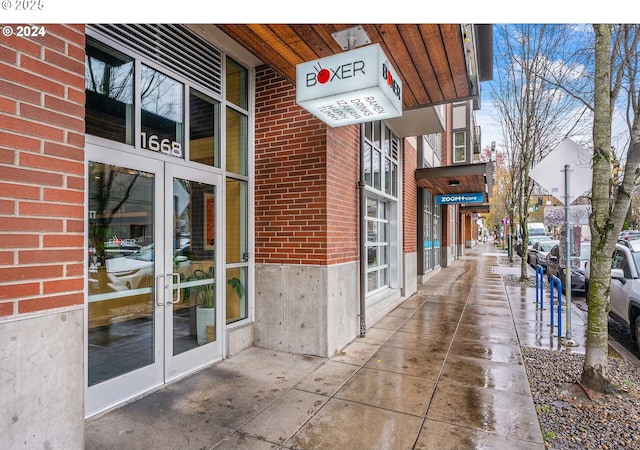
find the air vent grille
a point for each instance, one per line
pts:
(173, 46)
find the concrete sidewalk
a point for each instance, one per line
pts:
(442, 371)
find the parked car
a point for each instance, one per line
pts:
(538, 253)
(624, 289)
(532, 240)
(627, 235)
(578, 264)
(537, 229)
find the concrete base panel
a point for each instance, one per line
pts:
(343, 303)
(448, 256)
(42, 382)
(410, 272)
(422, 279)
(306, 309)
(390, 300)
(239, 339)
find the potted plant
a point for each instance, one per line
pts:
(236, 284)
(205, 312)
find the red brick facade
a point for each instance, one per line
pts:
(42, 170)
(409, 199)
(305, 186)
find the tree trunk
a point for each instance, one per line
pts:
(594, 374)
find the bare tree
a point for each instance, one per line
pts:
(535, 113)
(501, 192)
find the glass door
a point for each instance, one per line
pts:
(193, 214)
(151, 268)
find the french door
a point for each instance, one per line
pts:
(152, 313)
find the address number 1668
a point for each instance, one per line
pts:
(166, 146)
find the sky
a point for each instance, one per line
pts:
(487, 118)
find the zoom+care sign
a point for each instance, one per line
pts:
(351, 87)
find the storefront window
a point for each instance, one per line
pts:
(236, 294)
(436, 235)
(237, 142)
(162, 113)
(366, 163)
(204, 129)
(431, 232)
(427, 231)
(109, 93)
(236, 248)
(380, 154)
(375, 166)
(168, 243)
(380, 158)
(377, 244)
(459, 147)
(237, 84)
(236, 220)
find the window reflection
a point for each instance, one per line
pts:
(237, 84)
(204, 129)
(237, 247)
(194, 233)
(377, 244)
(109, 93)
(236, 294)
(237, 142)
(120, 270)
(236, 226)
(162, 113)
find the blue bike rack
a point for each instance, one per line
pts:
(540, 286)
(557, 283)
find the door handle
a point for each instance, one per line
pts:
(177, 297)
(160, 292)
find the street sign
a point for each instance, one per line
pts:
(549, 173)
(556, 215)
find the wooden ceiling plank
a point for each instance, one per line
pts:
(456, 60)
(301, 47)
(432, 67)
(388, 36)
(261, 49)
(317, 38)
(435, 46)
(273, 41)
(415, 46)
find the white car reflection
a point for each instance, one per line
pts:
(132, 271)
(136, 270)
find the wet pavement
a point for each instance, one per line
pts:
(442, 371)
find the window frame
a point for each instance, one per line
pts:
(188, 88)
(457, 147)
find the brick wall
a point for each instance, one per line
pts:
(42, 170)
(410, 198)
(343, 149)
(305, 188)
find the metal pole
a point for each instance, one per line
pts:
(567, 217)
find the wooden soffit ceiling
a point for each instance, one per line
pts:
(459, 179)
(429, 58)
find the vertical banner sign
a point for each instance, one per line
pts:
(351, 87)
